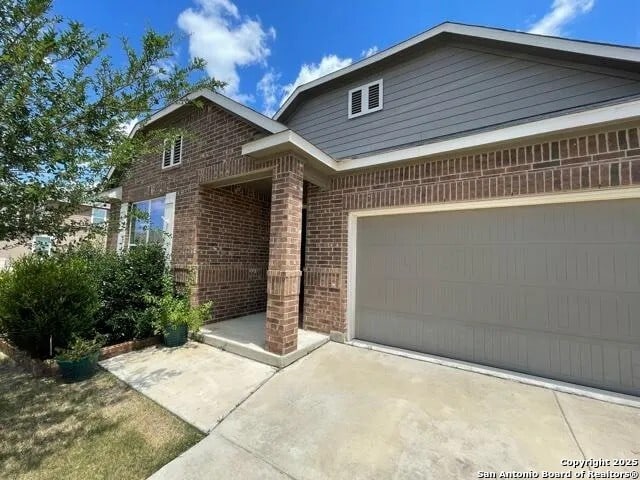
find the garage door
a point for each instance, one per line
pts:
(550, 290)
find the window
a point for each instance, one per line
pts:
(172, 153)
(42, 244)
(98, 215)
(147, 222)
(365, 99)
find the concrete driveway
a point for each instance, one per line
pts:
(344, 412)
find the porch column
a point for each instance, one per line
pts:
(283, 275)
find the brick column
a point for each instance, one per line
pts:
(283, 275)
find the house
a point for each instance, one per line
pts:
(86, 214)
(471, 193)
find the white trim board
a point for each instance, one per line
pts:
(285, 141)
(225, 102)
(562, 124)
(622, 193)
(614, 52)
(112, 193)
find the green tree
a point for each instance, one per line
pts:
(63, 104)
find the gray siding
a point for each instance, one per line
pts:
(549, 290)
(450, 90)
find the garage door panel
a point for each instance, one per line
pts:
(550, 290)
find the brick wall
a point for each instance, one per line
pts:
(230, 255)
(232, 245)
(593, 160)
(214, 139)
(211, 149)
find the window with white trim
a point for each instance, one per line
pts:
(98, 215)
(42, 244)
(172, 152)
(147, 222)
(365, 99)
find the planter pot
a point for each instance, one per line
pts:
(175, 336)
(74, 370)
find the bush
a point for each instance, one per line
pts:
(80, 348)
(126, 281)
(173, 309)
(47, 296)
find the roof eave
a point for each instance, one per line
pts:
(289, 141)
(244, 112)
(222, 101)
(597, 117)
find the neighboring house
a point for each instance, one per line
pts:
(472, 193)
(9, 251)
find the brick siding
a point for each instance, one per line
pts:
(226, 233)
(232, 249)
(605, 159)
(215, 230)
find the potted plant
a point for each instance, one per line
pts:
(78, 361)
(174, 317)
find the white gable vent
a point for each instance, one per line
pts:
(172, 153)
(365, 99)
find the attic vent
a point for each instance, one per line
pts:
(374, 96)
(166, 155)
(172, 152)
(365, 99)
(356, 102)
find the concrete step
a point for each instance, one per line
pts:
(307, 342)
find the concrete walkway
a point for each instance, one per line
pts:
(196, 382)
(344, 412)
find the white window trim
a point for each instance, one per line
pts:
(122, 227)
(34, 244)
(365, 99)
(93, 218)
(167, 224)
(172, 161)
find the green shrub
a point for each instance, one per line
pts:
(126, 281)
(173, 309)
(79, 348)
(47, 296)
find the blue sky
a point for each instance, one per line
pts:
(264, 49)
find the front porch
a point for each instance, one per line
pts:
(245, 336)
(249, 256)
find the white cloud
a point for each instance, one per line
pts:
(309, 72)
(561, 13)
(270, 91)
(369, 51)
(163, 68)
(226, 40)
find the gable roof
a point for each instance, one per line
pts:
(226, 103)
(616, 53)
(242, 111)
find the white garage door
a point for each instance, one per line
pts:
(551, 290)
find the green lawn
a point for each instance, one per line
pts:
(99, 428)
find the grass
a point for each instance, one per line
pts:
(98, 428)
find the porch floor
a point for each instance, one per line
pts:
(244, 336)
